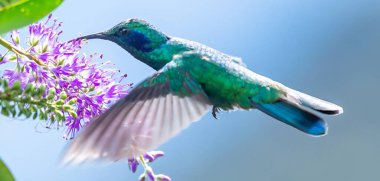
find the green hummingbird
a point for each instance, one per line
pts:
(191, 79)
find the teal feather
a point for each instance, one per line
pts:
(295, 116)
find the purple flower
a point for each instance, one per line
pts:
(133, 163)
(13, 76)
(3, 59)
(36, 32)
(153, 177)
(153, 155)
(80, 77)
(150, 174)
(85, 83)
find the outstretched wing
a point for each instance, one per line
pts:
(156, 110)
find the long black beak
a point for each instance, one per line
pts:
(92, 36)
(95, 36)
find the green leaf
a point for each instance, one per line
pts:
(18, 13)
(4, 111)
(5, 174)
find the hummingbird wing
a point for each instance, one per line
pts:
(154, 111)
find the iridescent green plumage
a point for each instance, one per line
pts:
(190, 79)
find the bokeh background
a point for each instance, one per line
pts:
(330, 49)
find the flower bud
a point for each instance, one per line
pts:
(33, 41)
(153, 155)
(5, 84)
(133, 163)
(41, 90)
(72, 101)
(161, 177)
(67, 107)
(16, 85)
(150, 173)
(142, 177)
(63, 95)
(15, 37)
(59, 114)
(4, 111)
(29, 88)
(60, 102)
(51, 94)
(73, 114)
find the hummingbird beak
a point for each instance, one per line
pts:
(92, 36)
(95, 36)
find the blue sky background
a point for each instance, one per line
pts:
(330, 49)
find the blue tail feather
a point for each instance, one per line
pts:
(295, 116)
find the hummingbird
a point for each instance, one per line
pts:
(191, 79)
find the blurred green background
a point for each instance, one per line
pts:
(329, 49)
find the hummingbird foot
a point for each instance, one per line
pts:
(215, 110)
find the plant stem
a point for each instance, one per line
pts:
(6, 97)
(143, 162)
(18, 51)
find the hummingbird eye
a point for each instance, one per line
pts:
(123, 31)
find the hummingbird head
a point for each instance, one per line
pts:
(134, 35)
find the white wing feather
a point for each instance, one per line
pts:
(140, 122)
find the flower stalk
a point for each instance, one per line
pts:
(20, 52)
(31, 101)
(148, 172)
(59, 66)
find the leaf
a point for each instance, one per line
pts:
(4, 111)
(18, 13)
(5, 174)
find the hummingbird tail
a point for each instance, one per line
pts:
(292, 111)
(314, 103)
(294, 115)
